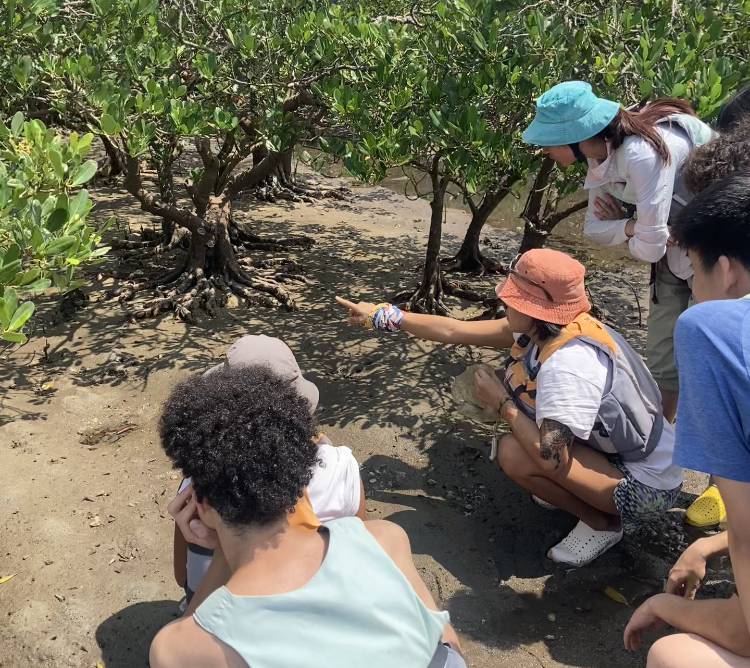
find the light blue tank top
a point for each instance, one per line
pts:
(358, 611)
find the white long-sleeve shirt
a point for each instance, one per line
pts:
(635, 174)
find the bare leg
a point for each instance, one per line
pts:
(669, 404)
(686, 650)
(584, 489)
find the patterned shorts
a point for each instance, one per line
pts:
(636, 503)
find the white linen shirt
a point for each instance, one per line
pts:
(635, 174)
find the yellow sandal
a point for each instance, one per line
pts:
(707, 510)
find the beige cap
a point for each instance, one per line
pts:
(274, 354)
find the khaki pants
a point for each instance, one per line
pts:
(670, 296)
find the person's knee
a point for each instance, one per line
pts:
(670, 652)
(511, 457)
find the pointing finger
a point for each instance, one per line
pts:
(347, 304)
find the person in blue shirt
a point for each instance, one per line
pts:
(712, 350)
(727, 153)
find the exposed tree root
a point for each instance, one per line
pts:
(153, 243)
(183, 291)
(462, 291)
(476, 264)
(249, 241)
(431, 300)
(196, 291)
(495, 310)
(288, 191)
(284, 262)
(124, 244)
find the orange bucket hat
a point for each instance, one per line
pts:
(547, 285)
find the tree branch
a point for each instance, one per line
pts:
(299, 99)
(201, 192)
(555, 218)
(134, 185)
(328, 72)
(250, 177)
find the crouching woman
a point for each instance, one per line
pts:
(587, 431)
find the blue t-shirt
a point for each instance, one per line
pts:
(712, 353)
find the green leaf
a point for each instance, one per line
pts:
(77, 206)
(22, 314)
(29, 276)
(60, 245)
(12, 254)
(36, 286)
(84, 144)
(109, 125)
(17, 123)
(14, 337)
(84, 173)
(57, 163)
(11, 303)
(678, 90)
(437, 121)
(100, 251)
(57, 220)
(73, 285)
(480, 41)
(8, 271)
(108, 224)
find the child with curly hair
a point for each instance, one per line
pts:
(335, 489)
(343, 594)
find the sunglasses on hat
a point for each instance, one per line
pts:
(513, 272)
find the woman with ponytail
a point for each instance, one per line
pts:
(634, 158)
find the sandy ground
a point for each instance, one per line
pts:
(84, 484)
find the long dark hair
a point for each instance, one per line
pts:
(642, 121)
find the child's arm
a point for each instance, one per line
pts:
(180, 557)
(216, 576)
(361, 511)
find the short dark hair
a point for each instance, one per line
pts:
(729, 152)
(544, 330)
(244, 437)
(717, 222)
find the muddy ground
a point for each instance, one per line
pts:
(84, 485)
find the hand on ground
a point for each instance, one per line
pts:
(608, 208)
(358, 312)
(490, 390)
(185, 513)
(687, 574)
(643, 618)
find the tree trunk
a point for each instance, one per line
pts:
(469, 258)
(540, 214)
(166, 192)
(537, 225)
(259, 155)
(115, 167)
(210, 270)
(428, 298)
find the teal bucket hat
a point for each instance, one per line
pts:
(569, 113)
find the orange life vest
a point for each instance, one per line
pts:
(522, 369)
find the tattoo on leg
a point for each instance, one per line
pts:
(555, 438)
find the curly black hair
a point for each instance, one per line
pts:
(712, 161)
(244, 437)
